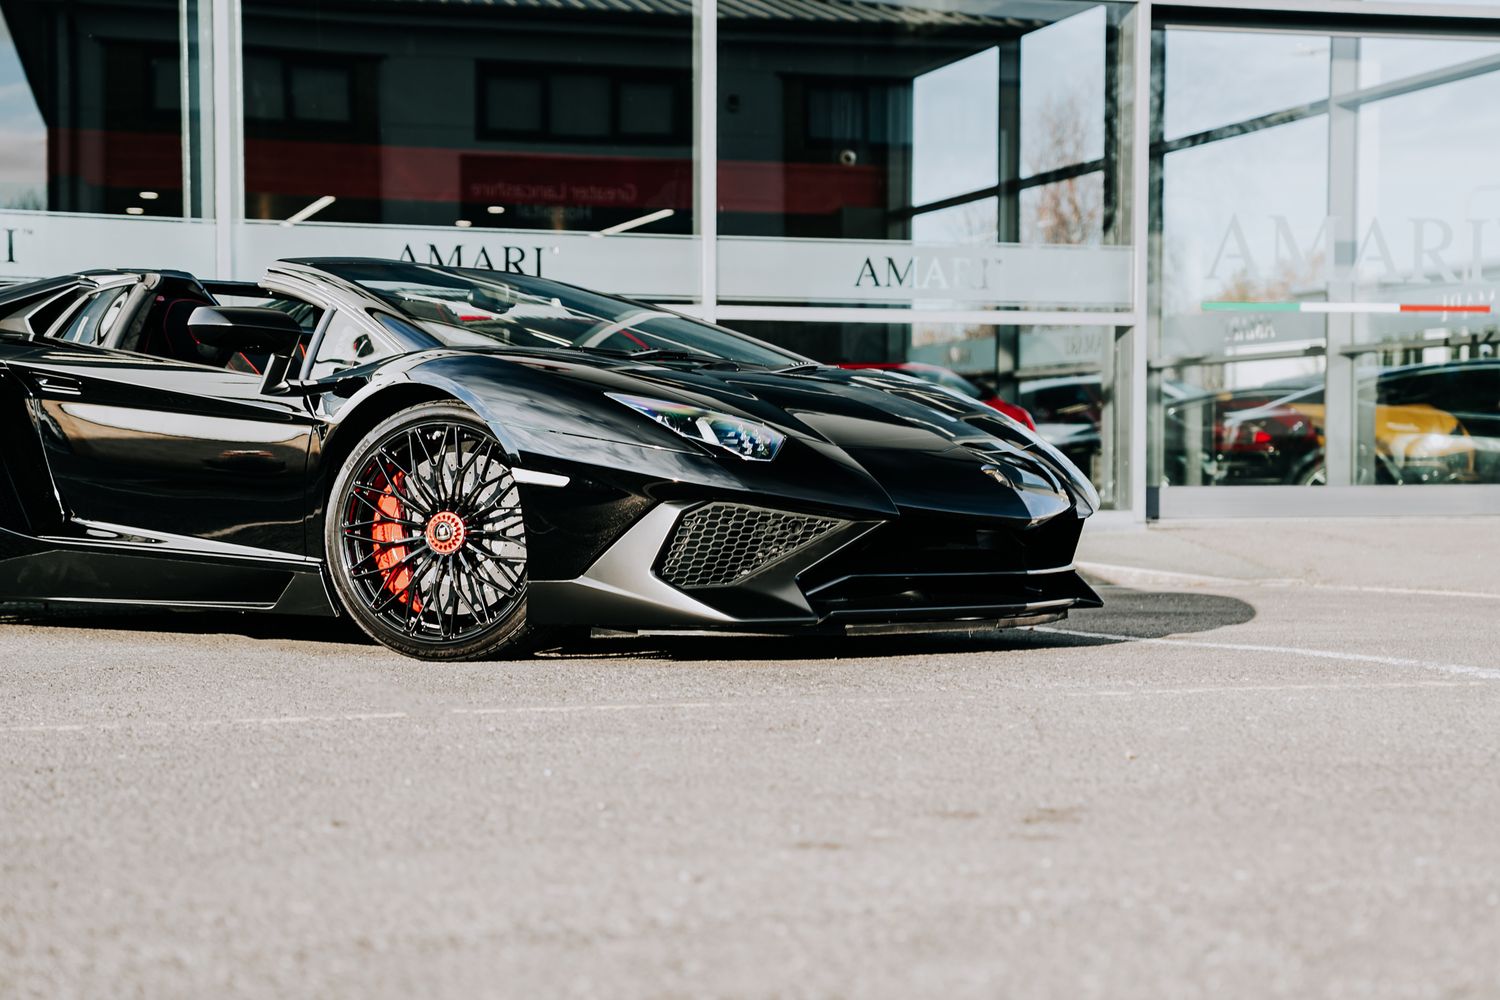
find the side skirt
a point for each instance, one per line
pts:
(54, 572)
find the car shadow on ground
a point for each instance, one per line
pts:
(1127, 614)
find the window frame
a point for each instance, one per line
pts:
(680, 83)
(359, 319)
(363, 96)
(110, 296)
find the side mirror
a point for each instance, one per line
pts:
(246, 328)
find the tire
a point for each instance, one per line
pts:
(1313, 475)
(425, 541)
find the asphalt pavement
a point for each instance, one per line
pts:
(1268, 767)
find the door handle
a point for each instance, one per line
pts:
(59, 385)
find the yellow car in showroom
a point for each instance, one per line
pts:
(1432, 423)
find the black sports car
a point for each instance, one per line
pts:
(462, 460)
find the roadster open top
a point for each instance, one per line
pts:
(464, 461)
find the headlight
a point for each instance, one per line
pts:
(747, 439)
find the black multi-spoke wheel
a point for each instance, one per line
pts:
(425, 540)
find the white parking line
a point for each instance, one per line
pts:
(628, 707)
(1456, 669)
(282, 720)
(650, 705)
(278, 720)
(1272, 688)
(1142, 573)
(297, 720)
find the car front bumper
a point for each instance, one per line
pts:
(732, 567)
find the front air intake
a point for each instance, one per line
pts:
(723, 543)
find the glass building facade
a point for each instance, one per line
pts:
(1234, 259)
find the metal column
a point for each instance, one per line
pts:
(706, 151)
(1343, 207)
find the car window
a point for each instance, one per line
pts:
(33, 308)
(348, 344)
(404, 331)
(93, 323)
(306, 315)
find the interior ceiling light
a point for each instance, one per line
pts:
(309, 211)
(645, 220)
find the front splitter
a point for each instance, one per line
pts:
(966, 626)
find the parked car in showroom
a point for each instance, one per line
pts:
(1425, 423)
(1068, 411)
(948, 379)
(464, 461)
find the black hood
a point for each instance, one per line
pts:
(923, 447)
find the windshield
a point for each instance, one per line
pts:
(468, 308)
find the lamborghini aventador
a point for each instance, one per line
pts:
(466, 461)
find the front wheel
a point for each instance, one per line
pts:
(425, 540)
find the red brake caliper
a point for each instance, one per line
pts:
(388, 528)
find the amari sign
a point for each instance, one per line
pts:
(664, 267)
(750, 269)
(37, 245)
(894, 272)
(1415, 251)
(505, 257)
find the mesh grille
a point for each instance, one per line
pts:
(723, 543)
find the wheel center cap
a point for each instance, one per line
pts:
(445, 533)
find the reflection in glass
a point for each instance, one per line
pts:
(1240, 221)
(91, 108)
(959, 99)
(1329, 257)
(1383, 59)
(1428, 416)
(1068, 211)
(1061, 123)
(856, 120)
(1426, 241)
(1215, 78)
(971, 222)
(524, 116)
(1061, 382)
(1435, 422)
(1243, 423)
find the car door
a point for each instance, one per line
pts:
(172, 452)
